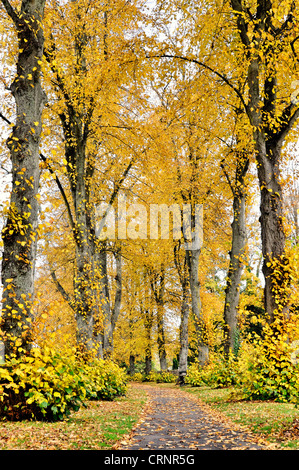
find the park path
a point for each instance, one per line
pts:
(176, 420)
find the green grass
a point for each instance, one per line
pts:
(98, 426)
(267, 419)
(102, 424)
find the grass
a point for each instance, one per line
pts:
(98, 426)
(275, 422)
(102, 424)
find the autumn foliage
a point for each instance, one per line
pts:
(162, 122)
(48, 386)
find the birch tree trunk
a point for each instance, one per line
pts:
(20, 232)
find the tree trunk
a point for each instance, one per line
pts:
(268, 154)
(158, 287)
(132, 365)
(104, 302)
(148, 323)
(273, 237)
(161, 336)
(271, 124)
(232, 291)
(184, 342)
(182, 269)
(108, 315)
(85, 295)
(20, 232)
(193, 264)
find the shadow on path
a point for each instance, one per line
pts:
(177, 420)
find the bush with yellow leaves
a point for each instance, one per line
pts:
(47, 386)
(42, 386)
(268, 367)
(104, 380)
(157, 377)
(220, 372)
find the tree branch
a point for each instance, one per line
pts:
(10, 11)
(61, 289)
(62, 192)
(59, 185)
(114, 194)
(228, 178)
(293, 47)
(288, 120)
(202, 64)
(239, 13)
(5, 119)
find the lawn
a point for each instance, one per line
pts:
(102, 423)
(276, 422)
(98, 426)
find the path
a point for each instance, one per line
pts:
(177, 420)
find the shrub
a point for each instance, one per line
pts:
(166, 377)
(219, 373)
(138, 377)
(152, 376)
(43, 386)
(194, 377)
(48, 386)
(104, 380)
(267, 371)
(158, 377)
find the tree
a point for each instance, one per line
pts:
(238, 159)
(265, 34)
(92, 130)
(182, 268)
(20, 232)
(245, 47)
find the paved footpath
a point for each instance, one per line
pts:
(176, 420)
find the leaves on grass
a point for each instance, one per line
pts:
(98, 426)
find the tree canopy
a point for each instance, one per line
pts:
(151, 158)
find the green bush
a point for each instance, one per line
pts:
(104, 380)
(137, 377)
(42, 386)
(267, 372)
(158, 377)
(152, 376)
(48, 386)
(194, 377)
(219, 373)
(166, 377)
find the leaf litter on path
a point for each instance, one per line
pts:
(177, 420)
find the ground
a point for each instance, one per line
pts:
(177, 420)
